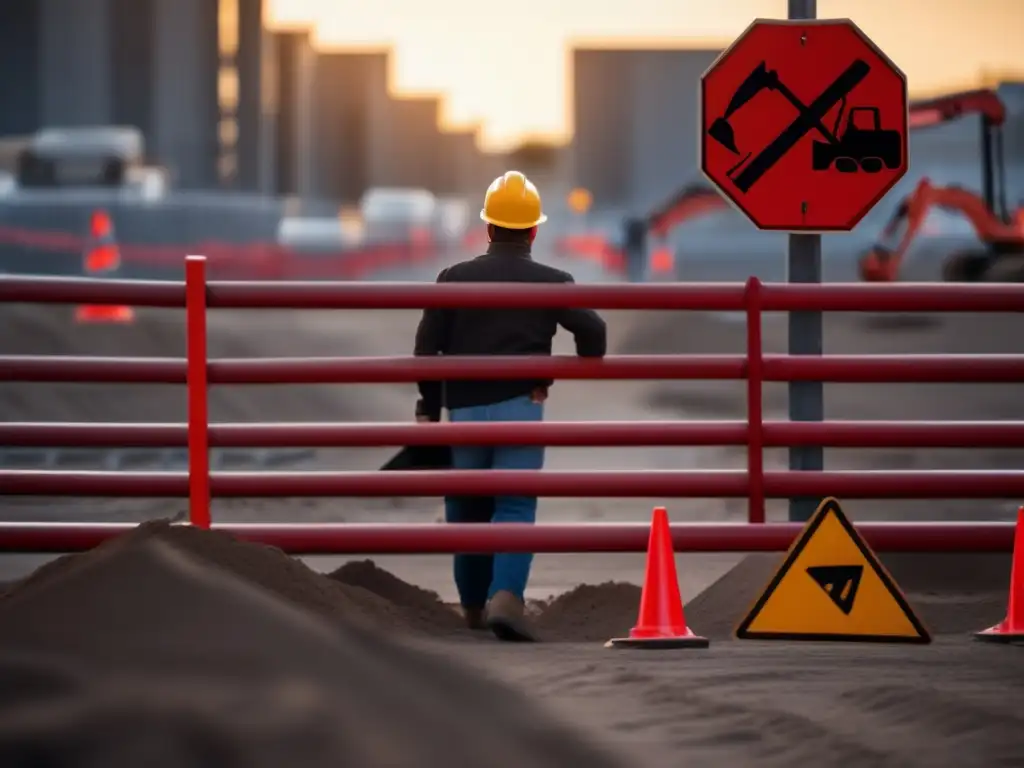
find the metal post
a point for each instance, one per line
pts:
(198, 404)
(806, 398)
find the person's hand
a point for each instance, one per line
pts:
(539, 395)
(421, 419)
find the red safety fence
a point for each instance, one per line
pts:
(197, 296)
(255, 260)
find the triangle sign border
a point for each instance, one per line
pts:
(831, 506)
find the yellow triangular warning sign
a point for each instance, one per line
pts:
(831, 586)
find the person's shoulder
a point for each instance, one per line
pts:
(548, 274)
(455, 272)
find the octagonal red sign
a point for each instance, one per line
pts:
(804, 124)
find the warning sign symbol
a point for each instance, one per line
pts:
(831, 586)
(840, 582)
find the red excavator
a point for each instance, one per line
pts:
(692, 201)
(1001, 232)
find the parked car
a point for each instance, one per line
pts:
(398, 215)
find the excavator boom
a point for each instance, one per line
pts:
(690, 202)
(945, 108)
(883, 262)
(988, 215)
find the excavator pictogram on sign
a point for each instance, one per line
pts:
(825, 157)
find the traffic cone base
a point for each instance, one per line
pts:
(100, 313)
(689, 640)
(1001, 633)
(661, 624)
(1011, 629)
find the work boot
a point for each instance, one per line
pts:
(476, 618)
(506, 616)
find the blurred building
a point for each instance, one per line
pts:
(347, 87)
(459, 163)
(253, 132)
(635, 115)
(403, 145)
(222, 102)
(296, 63)
(185, 72)
(19, 67)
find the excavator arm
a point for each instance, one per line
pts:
(882, 262)
(987, 212)
(986, 103)
(693, 201)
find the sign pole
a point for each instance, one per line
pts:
(806, 177)
(806, 398)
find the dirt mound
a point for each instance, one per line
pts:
(421, 607)
(141, 653)
(359, 591)
(265, 567)
(952, 594)
(589, 613)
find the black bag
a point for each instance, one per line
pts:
(415, 457)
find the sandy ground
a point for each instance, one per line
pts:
(948, 704)
(748, 705)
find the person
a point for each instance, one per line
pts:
(490, 588)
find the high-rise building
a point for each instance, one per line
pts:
(348, 85)
(296, 73)
(188, 94)
(459, 166)
(255, 112)
(185, 72)
(20, 75)
(602, 124)
(635, 115)
(403, 142)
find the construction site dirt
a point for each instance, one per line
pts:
(738, 703)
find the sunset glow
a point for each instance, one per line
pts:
(505, 65)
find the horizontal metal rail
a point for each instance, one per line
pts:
(928, 484)
(715, 297)
(887, 369)
(198, 295)
(355, 538)
(776, 434)
(372, 370)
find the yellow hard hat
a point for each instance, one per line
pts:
(512, 202)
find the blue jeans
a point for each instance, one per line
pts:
(478, 577)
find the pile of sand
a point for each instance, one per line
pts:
(145, 652)
(360, 591)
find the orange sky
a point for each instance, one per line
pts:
(455, 47)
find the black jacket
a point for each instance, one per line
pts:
(499, 331)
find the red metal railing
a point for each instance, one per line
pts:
(197, 295)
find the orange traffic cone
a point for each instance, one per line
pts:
(102, 257)
(1011, 629)
(661, 623)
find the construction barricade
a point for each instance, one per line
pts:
(197, 296)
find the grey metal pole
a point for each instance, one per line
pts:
(806, 398)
